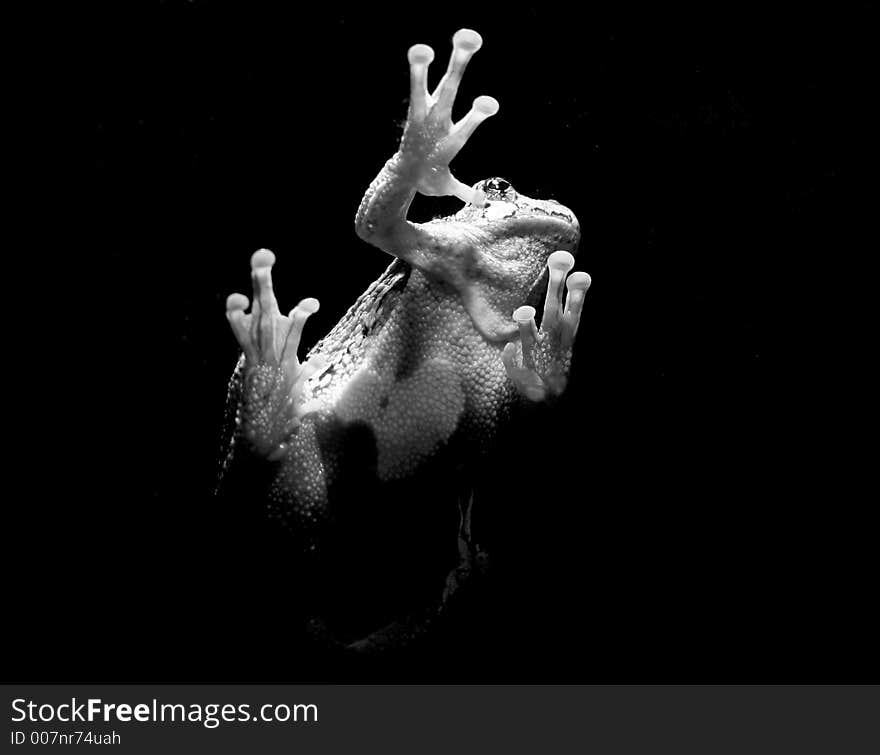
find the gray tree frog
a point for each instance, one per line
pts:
(424, 368)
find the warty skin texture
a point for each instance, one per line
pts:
(421, 373)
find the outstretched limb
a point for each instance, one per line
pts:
(430, 138)
(539, 361)
(272, 396)
(430, 141)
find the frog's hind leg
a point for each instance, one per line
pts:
(473, 560)
(473, 564)
(401, 633)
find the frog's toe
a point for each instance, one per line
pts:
(561, 323)
(522, 371)
(236, 304)
(467, 194)
(524, 317)
(300, 372)
(482, 108)
(558, 264)
(298, 316)
(265, 314)
(578, 284)
(465, 42)
(420, 57)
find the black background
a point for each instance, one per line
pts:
(686, 514)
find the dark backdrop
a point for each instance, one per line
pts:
(682, 516)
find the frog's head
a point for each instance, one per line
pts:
(503, 208)
(510, 237)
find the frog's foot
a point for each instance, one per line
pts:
(538, 363)
(273, 376)
(472, 560)
(397, 635)
(430, 139)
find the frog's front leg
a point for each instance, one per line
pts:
(538, 363)
(271, 404)
(430, 141)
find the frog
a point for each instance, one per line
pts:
(422, 373)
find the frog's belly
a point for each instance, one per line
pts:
(411, 417)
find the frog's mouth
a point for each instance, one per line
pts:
(547, 208)
(524, 207)
(542, 217)
(552, 208)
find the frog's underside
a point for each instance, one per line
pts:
(368, 449)
(383, 465)
(372, 477)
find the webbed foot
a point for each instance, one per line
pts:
(539, 362)
(430, 138)
(273, 375)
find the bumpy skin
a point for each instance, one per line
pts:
(417, 370)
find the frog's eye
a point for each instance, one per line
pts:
(497, 184)
(498, 189)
